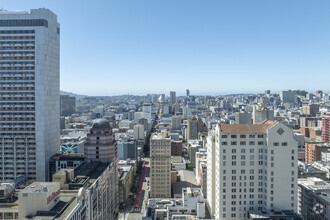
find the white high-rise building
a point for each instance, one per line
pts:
(211, 184)
(138, 132)
(176, 122)
(29, 93)
(255, 168)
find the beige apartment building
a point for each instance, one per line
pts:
(160, 165)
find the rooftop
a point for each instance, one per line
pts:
(286, 214)
(41, 187)
(101, 124)
(245, 128)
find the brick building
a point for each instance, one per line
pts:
(326, 127)
(313, 151)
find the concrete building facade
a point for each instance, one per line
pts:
(251, 164)
(67, 105)
(99, 145)
(29, 93)
(160, 166)
(313, 151)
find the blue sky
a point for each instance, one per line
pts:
(209, 46)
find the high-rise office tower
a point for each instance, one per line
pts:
(287, 96)
(29, 93)
(187, 92)
(138, 132)
(172, 97)
(255, 169)
(67, 105)
(192, 128)
(176, 122)
(160, 165)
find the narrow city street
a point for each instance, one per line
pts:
(139, 208)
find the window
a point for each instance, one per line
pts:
(224, 151)
(23, 23)
(260, 136)
(242, 151)
(251, 157)
(224, 157)
(233, 151)
(292, 151)
(251, 136)
(233, 143)
(243, 143)
(284, 143)
(276, 144)
(233, 171)
(242, 171)
(224, 136)
(242, 136)
(233, 163)
(251, 143)
(224, 143)
(233, 136)
(242, 163)
(251, 151)
(260, 143)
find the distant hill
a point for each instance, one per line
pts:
(72, 94)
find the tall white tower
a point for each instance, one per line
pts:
(255, 169)
(29, 93)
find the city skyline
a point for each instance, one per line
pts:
(212, 48)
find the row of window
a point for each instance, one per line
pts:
(24, 23)
(260, 143)
(252, 151)
(17, 32)
(242, 136)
